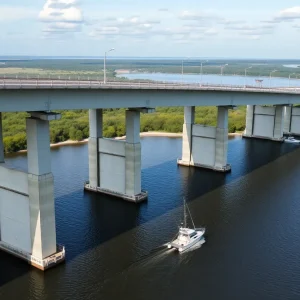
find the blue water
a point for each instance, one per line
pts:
(114, 248)
(216, 79)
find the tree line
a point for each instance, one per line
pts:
(74, 125)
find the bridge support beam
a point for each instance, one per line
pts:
(115, 165)
(292, 120)
(265, 122)
(96, 121)
(205, 146)
(1, 141)
(27, 215)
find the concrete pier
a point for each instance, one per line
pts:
(265, 122)
(27, 215)
(205, 146)
(96, 123)
(1, 141)
(115, 165)
(292, 120)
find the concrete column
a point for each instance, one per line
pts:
(1, 141)
(96, 121)
(279, 121)
(132, 154)
(40, 189)
(189, 119)
(249, 120)
(287, 119)
(221, 138)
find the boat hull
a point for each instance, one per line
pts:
(181, 247)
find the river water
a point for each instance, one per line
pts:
(115, 249)
(217, 79)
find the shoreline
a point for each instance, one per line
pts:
(142, 134)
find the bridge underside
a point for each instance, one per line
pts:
(64, 97)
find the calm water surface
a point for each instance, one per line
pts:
(114, 248)
(216, 79)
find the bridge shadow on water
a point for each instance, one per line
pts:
(166, 183)
(85, 220)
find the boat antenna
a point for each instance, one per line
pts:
(191, 216)
(184, 212)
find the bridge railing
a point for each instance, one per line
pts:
(78, 83)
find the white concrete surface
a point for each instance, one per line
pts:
(133, 169)
(112, 147)
(279, 122)
(292, 120)
(15, 220)
(221, 138)
(132, 126)
(119, 162)
(1, 141)
(13, 179)
(38, 145)
(204, 131)
(96, 124)
(42, 215)
(263, 126)
(112, 172)
(287, 119)
(203, 151)
(249, 120)
(94, 175)
(268, 122)
(189, 119)
(295, 122)
(206, 146)
(40, 188)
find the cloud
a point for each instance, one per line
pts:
(292, 13)
(251, 30)
(285, 15)
(133, 26)
(63, 16)
(198, 16)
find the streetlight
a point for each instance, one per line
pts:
(290, 77)
(201, 69)
(222, 67)
(182, 68)
(246, 74)
(112, 49)
(271, 76)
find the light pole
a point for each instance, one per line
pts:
(201, 68)
(182, 69)
(246, 74)
(271, 76)
(222, 67)
(290, 78)
(112, 49)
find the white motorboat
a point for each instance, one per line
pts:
(187, 237)
(291, 140)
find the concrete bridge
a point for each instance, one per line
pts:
(27, 217)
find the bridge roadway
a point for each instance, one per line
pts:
(42, 94)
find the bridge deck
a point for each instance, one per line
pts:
(38, 95)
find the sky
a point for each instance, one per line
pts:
(158, 28)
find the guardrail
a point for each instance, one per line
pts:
(162, 85)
